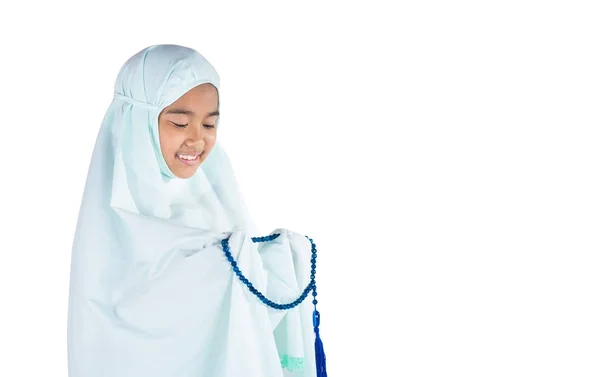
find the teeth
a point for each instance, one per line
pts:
(185, 157)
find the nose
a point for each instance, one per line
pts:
(196, 136)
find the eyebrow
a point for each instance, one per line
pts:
(189, 112)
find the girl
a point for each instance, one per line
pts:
(168, 278)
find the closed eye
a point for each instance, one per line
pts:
(185, 125)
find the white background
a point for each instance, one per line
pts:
(443, 156)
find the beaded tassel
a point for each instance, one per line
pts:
(319, 351)
(312, 286)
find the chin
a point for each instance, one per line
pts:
(185, 175)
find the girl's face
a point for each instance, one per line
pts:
(188, 129)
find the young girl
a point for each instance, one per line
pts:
(168, 278)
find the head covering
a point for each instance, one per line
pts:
(151, 292)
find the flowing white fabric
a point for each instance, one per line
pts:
(151, 291)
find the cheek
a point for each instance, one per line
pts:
(210, 142)
(168, 139)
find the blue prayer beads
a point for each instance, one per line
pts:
(320, 359)
(312, 286)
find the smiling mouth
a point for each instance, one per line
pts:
(189, 159)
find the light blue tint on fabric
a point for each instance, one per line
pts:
(151, 293)
(292, 364)
(164, 169)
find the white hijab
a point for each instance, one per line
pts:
(151, 292)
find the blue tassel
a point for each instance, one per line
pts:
(319, 352)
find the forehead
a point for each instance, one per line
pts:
(202, 98)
